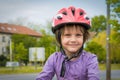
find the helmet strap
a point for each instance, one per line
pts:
(59, 38)
(77, 54)
(63, 67)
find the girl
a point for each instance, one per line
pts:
(70, 27)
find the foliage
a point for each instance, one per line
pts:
(28, 41)
(115, 6)
(98, 23)
(3, 60)
(115, 47)
(47, 41)
(114, 42)
(115, 23)
(21, 53)
(24, 42)
(21, 46)
(97, 49)
(115, 14)
(100, 39)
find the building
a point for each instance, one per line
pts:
(6, 30)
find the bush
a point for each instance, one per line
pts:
(3, 60)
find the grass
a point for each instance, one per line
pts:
(113, 66)
(32, 69)
(115, 79)
(19, 70)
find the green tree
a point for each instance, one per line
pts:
(115, 45)
(98, 23)
(115, 17)
(3, 60)
(21, 54)
(100, 39)
(25, 42)
(97, 49)
(47, 41)
(115, 7)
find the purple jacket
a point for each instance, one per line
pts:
(84, 68)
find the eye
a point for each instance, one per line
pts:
(79, 35)
(66, 34)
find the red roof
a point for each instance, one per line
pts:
(17, 29)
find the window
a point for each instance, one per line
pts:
(9, 28)
(3, 39)
(3, 49)
(2, 28)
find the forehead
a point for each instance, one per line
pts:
(72, 28)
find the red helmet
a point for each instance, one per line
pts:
(70, 15)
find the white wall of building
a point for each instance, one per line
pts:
(5, 44)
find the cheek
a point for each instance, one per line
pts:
(80, 40)
(64, 40)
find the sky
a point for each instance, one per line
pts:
(39, 11)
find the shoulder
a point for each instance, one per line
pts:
(92, 65)
(56, 56)
(51, 61)
(89, 56)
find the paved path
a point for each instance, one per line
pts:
(115, 74)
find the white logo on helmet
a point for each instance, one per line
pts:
(86, 17)
(58, 16)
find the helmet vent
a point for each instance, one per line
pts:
(64, 13)
(73, 11)
(81, 13)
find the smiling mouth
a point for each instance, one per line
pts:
(73, 44)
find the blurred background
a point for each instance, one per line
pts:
(26, 40)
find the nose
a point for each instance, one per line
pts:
(73, 39)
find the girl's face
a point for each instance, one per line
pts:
(72, 39)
